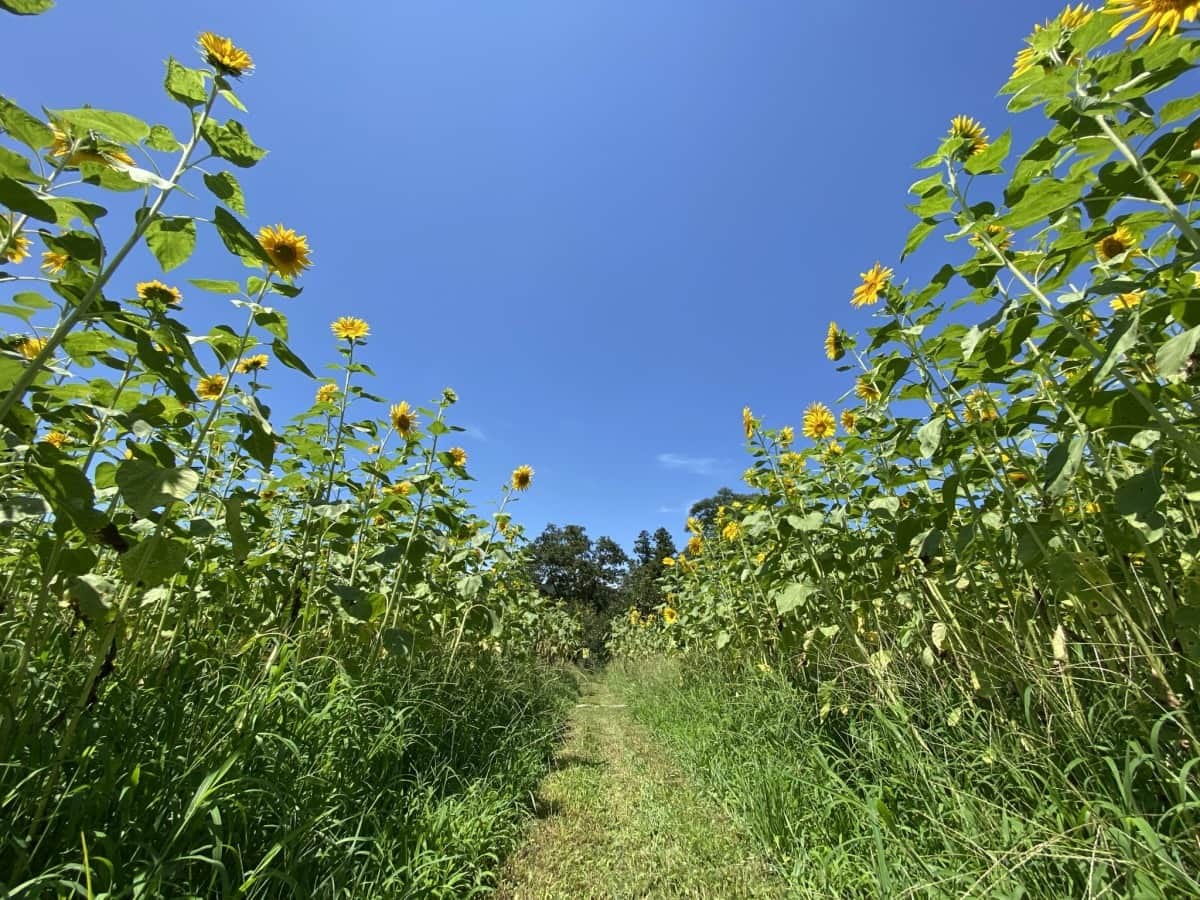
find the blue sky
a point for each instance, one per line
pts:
(608, 225)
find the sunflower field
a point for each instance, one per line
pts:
(238, 656)
(959, 623)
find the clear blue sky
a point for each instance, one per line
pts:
(608, 225)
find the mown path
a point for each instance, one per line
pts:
(616, 819)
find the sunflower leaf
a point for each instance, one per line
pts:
(237, 239)
(227, 190)
(184, 84)
(231, 142)
(171, 240)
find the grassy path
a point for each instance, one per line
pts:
(617, 820)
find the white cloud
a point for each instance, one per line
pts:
(697, 465)
(475, 433)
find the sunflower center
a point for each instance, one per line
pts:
(285, 252)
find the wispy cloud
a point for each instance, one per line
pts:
(697, 465)
(475, 433)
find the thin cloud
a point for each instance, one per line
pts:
(475, 433)
(696, 465)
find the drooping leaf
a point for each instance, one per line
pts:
(145, 486)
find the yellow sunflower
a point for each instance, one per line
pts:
(400, 489)
(17, 250)
(695, 545)
(980, 407)
(1090, 323)
(348, 328)
(30, 347)
(522, 477)
(834, 449)
(971, 133)
(874, 282)
(1070, 19)
(748, 423)
(57, 439)
(53, 263)
(668, 561)
(865, 389)
(1125, 302)
(634, 617)
(670, 617)
(1000, 236)
(819, 422)
(253, 364)
(835, 343)
(1121, 240)
(459, 456)
(404, 417)
(849, 421)
(287, 250)
(693, 525)
(1159, 16)
(327, 393)
(221, 53)
(211, 387)
(787, 434)
(157, 292)
(88, 150)
(731, 531)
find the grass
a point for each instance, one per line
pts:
(619, 818)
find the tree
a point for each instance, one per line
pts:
(706, 510)
(566, 564)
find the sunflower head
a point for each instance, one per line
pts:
(57, 439)
(874, 282)
(400, 489)
(404, 418)
(1120, 241)
(348, 328)
(459, 456)
(211, 387)
(1157, 16)
(85, 150)
(866, 390)
(16, 245)
(849, 421)
(668, 561)
(252, 364)
(999, 236)
(54, 263)
(449, 397)
(731, 531)
(748, 422)
(635, 617)
(971, 135)
(670, 616)
(223, 55)
(157, 292)
(288, 251)
(30, 347)
(835, 343)
(1050, 44)
(787, 434)
(695, 545)
(327, 393)
(1125, 302)
(980, 407)
(819, 422)
(522, 477)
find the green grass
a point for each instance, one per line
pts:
(621, 818)
(410, 782)
(906, 788)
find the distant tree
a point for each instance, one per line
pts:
(643, 550)
(641, 589)
(664, 545)
(706, 510)
(566, 564)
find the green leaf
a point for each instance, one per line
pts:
(1137, 496)
(810, 522)
(172, 240)
(355, 603)
(119, 126)
(1062, 464)
(231, 142)
(990, 160)
(284, 354)
(722, 640)
(30, 131)
(26, 7)
(1039, 201)
(154, 560)
(14, 165)
(215, 286)
(1118, 347)
(20, 507)
(184, 84)
(793, 596)
(19, 198)
(145, 485)
(227, 190)
(916, 237)
(237, 532)
(237, 239)
(162, 139)
(93, 597)
(930, 436)
(1173, 357)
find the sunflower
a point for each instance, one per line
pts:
(670, 617)
(57, 439)
(400, 489)
(17, 250)
(221, 53)
(1159, 15)
(1090, 323)
(404, 417)
(1125, 302)
(522, 477)
(694, 525)
(787, 434)
(835, 343)
(731, 531)
(30, 347)
(252, 364)
(668, 561)
(634, 617)
(348, 328)
(748, 422)
(980, 407)
(849, 421)
(1000, 237)
(971, 133)
(834, 449)
(819, 422)
(449, 396)
(53, 263)
(1122, 240)
(86, 151)
(874, 282)
(459, 456)
(327, 393)
(695, 545)
(865, 389)
(211, 387)
(287, 250)
(157, 292)
(1070, 19)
